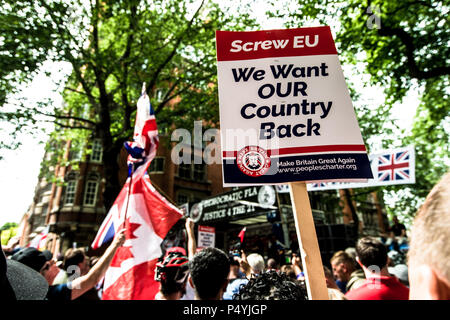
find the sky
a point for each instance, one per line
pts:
(19, 169)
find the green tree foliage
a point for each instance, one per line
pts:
(402, 44)
(113, 47)
(7, 231)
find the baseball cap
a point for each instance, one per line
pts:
(32, 257)
(19, 282)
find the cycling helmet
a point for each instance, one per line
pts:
(174, 267)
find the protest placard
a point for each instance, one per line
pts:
(286, 116)
(206, 236)
(285, 109)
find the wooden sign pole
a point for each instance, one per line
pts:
(307, 241)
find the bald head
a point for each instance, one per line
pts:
(429, 251)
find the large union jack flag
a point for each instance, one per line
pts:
(394, 166)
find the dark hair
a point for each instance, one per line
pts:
(288, 269)
(371, 252)
(328, 273)
(73, 257)
(209, 270)
(272, 285)
(233, 261)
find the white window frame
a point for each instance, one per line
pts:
(97, 150)
(163, 164)
(87, 192)
(73, 192)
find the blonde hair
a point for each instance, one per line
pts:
(430, 232)
(343, 257)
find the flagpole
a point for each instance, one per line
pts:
(128, 195)
(143, 91)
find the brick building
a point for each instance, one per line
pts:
(74, 210)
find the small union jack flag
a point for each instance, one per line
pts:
(145, 139)
(394, 166)
(318, 185)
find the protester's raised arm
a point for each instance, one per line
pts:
(88, 281)
(192, 244)
(296, 263)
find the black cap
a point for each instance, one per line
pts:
(17, 281)
(32, 257)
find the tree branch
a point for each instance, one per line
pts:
(414, 70)
(68, 126)
(407, 40)
(174, 50)
(66, 117)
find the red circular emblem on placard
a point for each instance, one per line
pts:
(253, 161)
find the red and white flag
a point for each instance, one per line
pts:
(40, 240)
(242, 233)
(146, 215)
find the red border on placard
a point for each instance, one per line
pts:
(225, 38)
(206, 229)
(311, 149)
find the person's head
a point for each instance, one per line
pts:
(343, 265)
(272, 285)
(272, 264)
(351, 252)
(288, 269)
(42, 262)
(371, 254)
(331, 283)
(172, 273)
(256, 262)
(180, 250)
(20, 282)
(429, 252)
(209, 270)
(234, 268)
(76, 257)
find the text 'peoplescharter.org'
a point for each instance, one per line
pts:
(318, 167)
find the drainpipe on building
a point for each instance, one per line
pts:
(353, 211)
(379, 213)
(284, 222)
(60, 171)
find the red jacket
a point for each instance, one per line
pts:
(380, 288)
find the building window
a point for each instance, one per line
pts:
(70, 192)
(157, 165)
(184, 171)
(90, 194)
(75, 154)
(44, 211)
(182, 198)
(97, 151)
(196, 172)
(199, 172)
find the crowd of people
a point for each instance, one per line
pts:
(385, 268)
